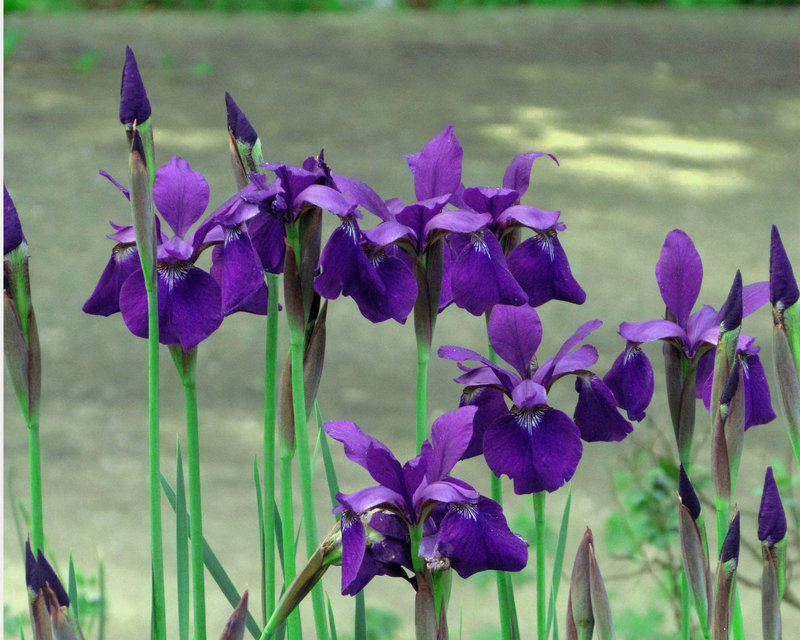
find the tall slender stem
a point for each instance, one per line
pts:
(287, 531)
(423, 358)
(685, 606)
(541, 595)
(35, 473)
(270, 403)
(296, 345)
(195, 503)
(154, 462)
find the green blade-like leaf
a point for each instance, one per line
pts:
(72, 592)
(330, 470)
(558, 563)
(215, 568)
(182, 548)
(261, 541)
(331, 620)
(101, 601)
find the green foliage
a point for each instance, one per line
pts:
(633, 624)
(11, 39)
(382, 624)
(86, 61)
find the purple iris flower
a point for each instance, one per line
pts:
(460, 528)
(189, 299)
(538, 446)
(679, 273)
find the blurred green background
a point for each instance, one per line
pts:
(660, 118)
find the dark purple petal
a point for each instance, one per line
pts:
(490, 200)
(343, 264)
(268, 235)
(459, 221)
(631, 381)
(364, 195)
(479, 277)
(371, 497)
(757, 399)
(515, 333)
(329, 200)
(679, 274)
(181, 194)
(450, 436)
(783, 291)
(528, 394)
(416, 217)
(444, 491)
(518, 173)
(385, 469)
(539, 449)
(596, 412)
(389, 232)
(238, 123)
(437, 169)
(39, 575)
(730, 316)
(104, 300)
(550, 368)
(771, 517)
(133, 305)
(237, 269)
(730, 545)
(476, 538)
(505, 378)
(133, 104)
(354, 545)
(687, 494)
(399, 282)
(650, 330)
(754, 296)
(540, 266)
(491, 405)
(12, 229)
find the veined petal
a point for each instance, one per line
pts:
(476, 537)
(181, 194)
(237, 269)
(354, 546)
(341, 262)
(631, 381)
(194, 304)
(540, 266)
(596, 412)
(679, 274)
(479, 277)
(515, 333)
(491, 405)
(104, 300)
(398, 279)
(538, 448)
(268, 235)
(437, 169)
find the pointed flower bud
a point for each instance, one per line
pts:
(134, 107)
(771, 517)
(730, 316)
(580, 618)
(726, 582)
(39, 576)
(783, 291)
(687, 494)
(234, 629)
(12, 229)
(238, 124)
(730, 546)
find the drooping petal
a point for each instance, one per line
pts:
(518, 173)
(355, 441)
(237, 269)
(596, 412)
(479, 277)
(679, 274)
(551, 367)
(104, 300)
(371, 497)
(354, 546)
(491, 405)
(364, 195)
(399, 282)
(530, 217)
(181, 194)
(631, 381)
(194, 305)
(650, 330)
(476, 537)
(268, 235)
(341, 263)
(540, 266)
(757, 399)
(437, 169)
(539, 449)
(515, 333)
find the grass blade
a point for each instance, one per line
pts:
(558, 563)
(214, 567)
(331, 621)
(261, 541)
(330, 470)
(72, 592)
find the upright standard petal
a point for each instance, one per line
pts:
(518, 173)
(450, 436)
(679, 274)
(475, 537)
(437, 169)
(181, 194)
(540, 266)
(515, 333)
(538, 448)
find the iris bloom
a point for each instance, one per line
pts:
(679, 273)
(538, 446)
(453, 525)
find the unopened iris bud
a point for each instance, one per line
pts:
(234, 629)
(134, 107)
(245, 146)
(12, 229)
(726, 582)
(687, 494)
(731, 313)
(580, 618)
(772, 533)
(783, 291)
(694, 550)
(771, 517)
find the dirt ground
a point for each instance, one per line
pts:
(660, 119)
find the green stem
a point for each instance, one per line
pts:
(496, 491)
(685, 607)
(287, 531)
(296, 344)
(270, 403)
(423, 358)
(195, 504)
(154, 462)
(541, 595)
(738, 619)
(722, 506)
(35, 472)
